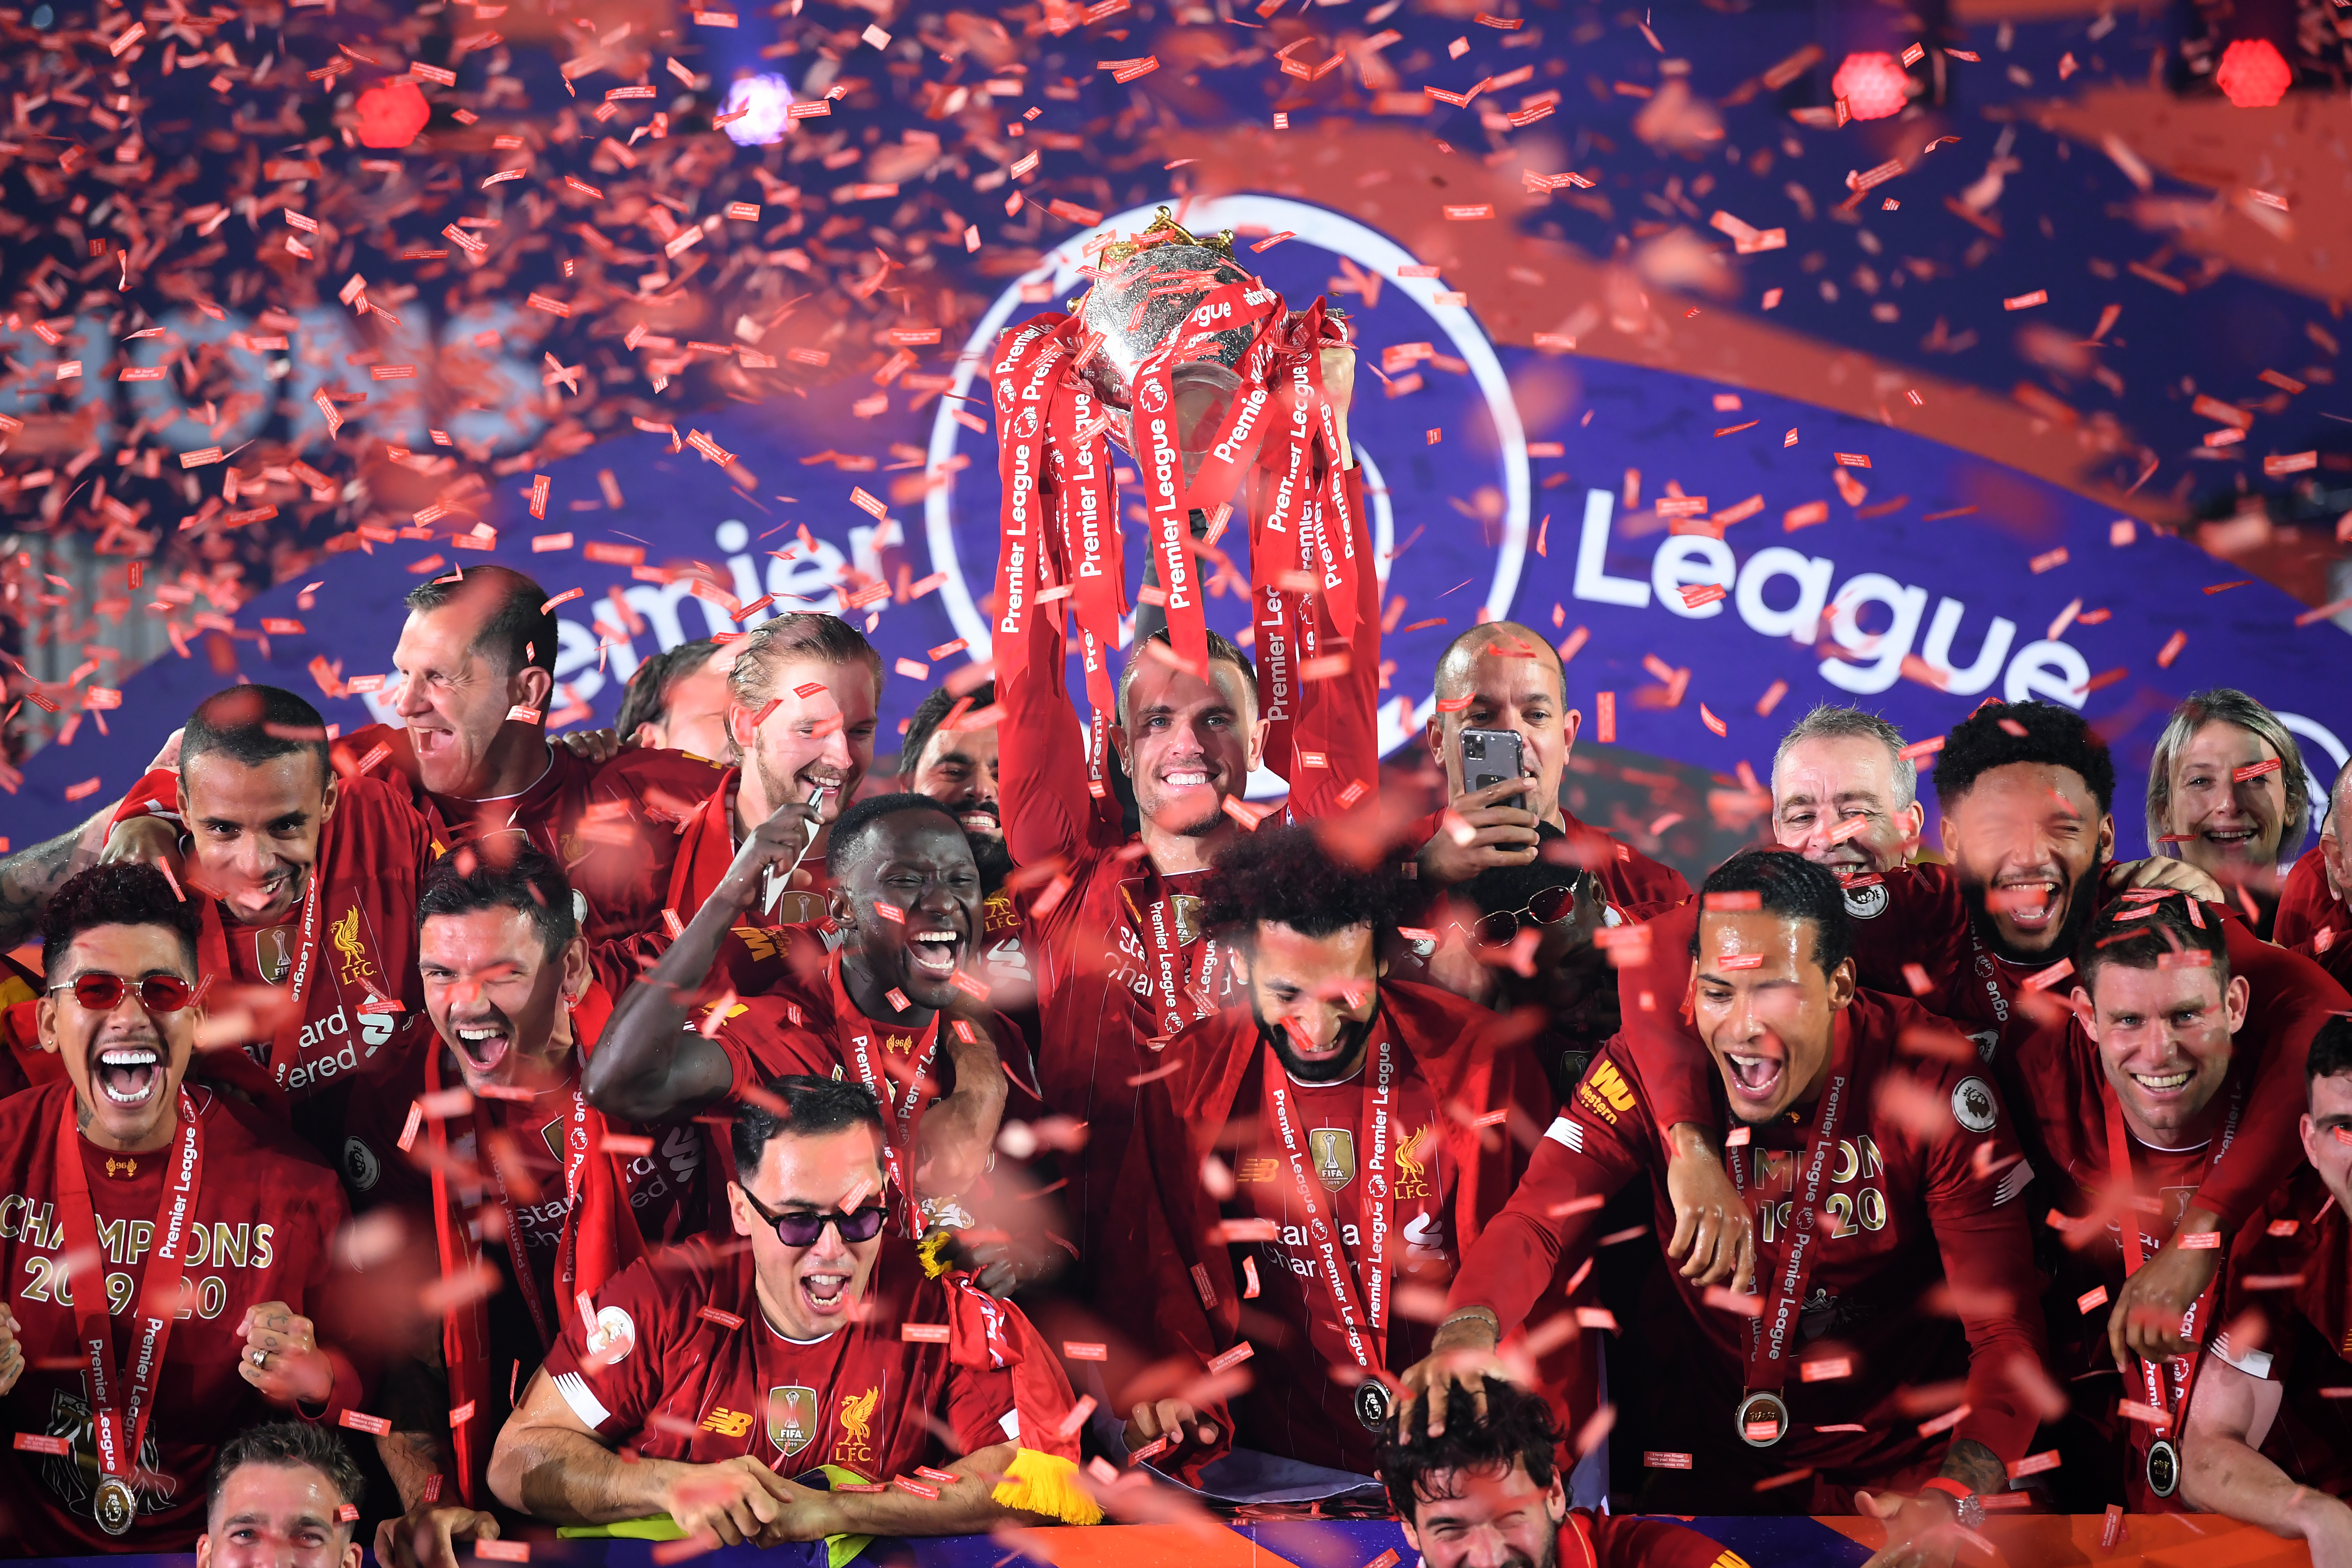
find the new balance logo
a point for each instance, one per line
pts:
(1563, 1130)
(727, 1423)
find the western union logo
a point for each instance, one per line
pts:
(1604, 1091)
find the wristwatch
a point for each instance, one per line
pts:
(1967, 1508)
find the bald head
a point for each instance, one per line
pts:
(1505, 676)
(1458, 665)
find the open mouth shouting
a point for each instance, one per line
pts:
(129, 1074)
(483, 1042)
(982, 820)
(934, 948)
(1754, 1073)
(2033, 904)
(824, 1289)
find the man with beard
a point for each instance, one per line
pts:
(1359, 1117)
(2266, 1437)
(677, 701)
(893, 1008)
(168, 1250)
(529, 1191)
(1123, 961)
(738, 1383)
(1485, 1492)
(1884, 1181)
(801, 729)
(1502, 675)
(2183, 1055)
(954, 763)
(304, 882)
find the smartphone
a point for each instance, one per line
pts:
(1488, 757)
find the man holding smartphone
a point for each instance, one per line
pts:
(1504, 676)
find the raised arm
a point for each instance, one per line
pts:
(1338, 716)
(1041, 783)
(29, 877)
(959, 1131)
(648, 1066)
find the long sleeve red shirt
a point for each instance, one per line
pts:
(1925, 1194)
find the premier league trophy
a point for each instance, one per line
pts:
(1228, 401)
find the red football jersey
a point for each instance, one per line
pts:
(1405, 1146)
(2286, 1315)
(807, 1023)
(1915, 919)
(361, 1008)
(1923, 1193)
(266, 1216)
(703, 1376)
(2306, 907)
(613, 826)
(707, 843)
(1110, 945)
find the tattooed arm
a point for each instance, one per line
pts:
(29, 877)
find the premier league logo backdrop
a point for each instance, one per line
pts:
(1709, 561)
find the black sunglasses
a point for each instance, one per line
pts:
(1549, 907)
(102, 993)
(801, 1227)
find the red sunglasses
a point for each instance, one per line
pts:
(102, 993)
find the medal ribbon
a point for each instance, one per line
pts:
(119, 1413)
(1093, 561)
(2119, 1172)
(1174, 973)
(866, 1060)
(1367, 1314)
(213, 959)
(1028, 361)
(1768, 1360)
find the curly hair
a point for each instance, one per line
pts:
(2141, 933)
(1283, 876)
(122, 893)
(2054, 736)
(1793, 888)
(1518, 1428)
